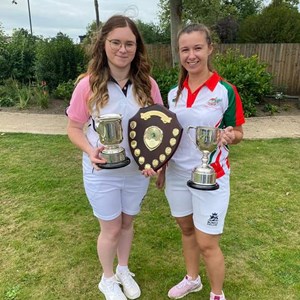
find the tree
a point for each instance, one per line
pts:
(227, 29)
(3, 54)
(280, 24)
(58, 60)
(213, 13)
(152, 34)
(288, 3)
(19, 56)
(244, 8)
(175, 18)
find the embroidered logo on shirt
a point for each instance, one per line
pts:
(214, 101)
(213, 220)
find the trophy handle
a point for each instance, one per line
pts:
(187, 131)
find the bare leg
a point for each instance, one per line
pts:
(213, 258)
(125, 240)
(190, 247)
(107, 244)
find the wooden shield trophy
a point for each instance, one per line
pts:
(154, 134)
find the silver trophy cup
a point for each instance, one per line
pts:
(109, 129)
(204, 176)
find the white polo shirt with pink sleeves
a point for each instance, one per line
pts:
(118, 103)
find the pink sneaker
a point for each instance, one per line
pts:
(217, 297)
(185, 287)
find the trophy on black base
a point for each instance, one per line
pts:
(204, 176)
(109, 128)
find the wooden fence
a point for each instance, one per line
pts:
(283, 61)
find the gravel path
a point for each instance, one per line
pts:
(254, 128)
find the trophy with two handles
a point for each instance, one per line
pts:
(109, 129)
(206, 140)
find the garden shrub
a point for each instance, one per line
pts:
(166, 79)
(41, 96)
(58, 59)
(8, 92)
(6, 101)
(249, 75)
(64, 90)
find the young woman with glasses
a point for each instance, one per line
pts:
(117, 82)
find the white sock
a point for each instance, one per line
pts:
(108, 279)
(122, 269)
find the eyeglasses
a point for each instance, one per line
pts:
(116, 45)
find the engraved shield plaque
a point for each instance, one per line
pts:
(154, 134)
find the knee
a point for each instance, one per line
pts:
(187, 230)
(112, 234)
(186, 225)
(208, 249)
(127, 222)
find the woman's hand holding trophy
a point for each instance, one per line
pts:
(226, 136)
(96, 158)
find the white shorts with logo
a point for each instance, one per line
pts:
(209, 208)
(111, 194)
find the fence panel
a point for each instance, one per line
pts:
(160, 54)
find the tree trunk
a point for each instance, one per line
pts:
(175, 15)
(97, 13)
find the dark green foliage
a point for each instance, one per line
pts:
(166, 79)
(247, 74)
(14, 93)
(271, 108)
(40, 96)
(8, 93)
(227, 29)
(153, 34)
(17, 56)
(243, 8)
(6, 101)
(59, 60)
(64, 90)
(276, 24)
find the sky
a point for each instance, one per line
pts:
(71, 17)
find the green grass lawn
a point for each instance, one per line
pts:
(48, 233)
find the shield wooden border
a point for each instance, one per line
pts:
(154, 134)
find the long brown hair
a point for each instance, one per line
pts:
(99, 72)
(183, 72)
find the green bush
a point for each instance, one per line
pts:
(270, 108)
(6, 101)
(58, 59)
(41, 96)
(8, 93)
(64, 90)
(25, 96)
(166, 79)
(249, 75)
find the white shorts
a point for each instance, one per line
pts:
(209, 208)
(111, 194)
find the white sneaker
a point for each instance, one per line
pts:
(111, 289)
(130, 287)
